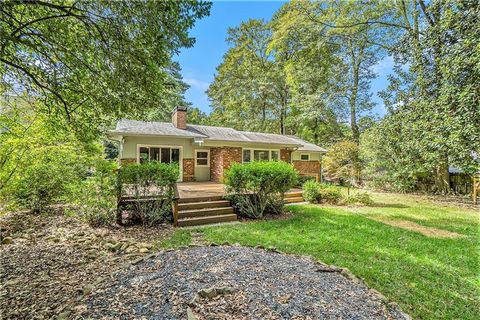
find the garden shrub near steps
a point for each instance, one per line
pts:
(258, 187)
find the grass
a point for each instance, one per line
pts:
(430, 278)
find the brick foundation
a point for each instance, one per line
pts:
(188, 170)
(221, 159)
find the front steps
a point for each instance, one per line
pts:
(293, 197)
(204, 210)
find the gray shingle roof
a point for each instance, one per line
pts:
(134, 127)
(153, 128)
(307, 146)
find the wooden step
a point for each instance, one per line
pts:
(200, 199)
(203, 205)
(206, 220)
(294, 200)
(295, 194)
(204, 212)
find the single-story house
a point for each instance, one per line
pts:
(205, 152)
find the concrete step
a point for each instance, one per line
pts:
(206, 220)
(203, 205)
(294, 200)
(295, 194)
(204, 212)
(200, 199)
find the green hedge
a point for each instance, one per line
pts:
(151, 179)
(259, 187)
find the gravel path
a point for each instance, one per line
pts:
(266, 285)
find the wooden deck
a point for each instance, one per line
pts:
(187, 190)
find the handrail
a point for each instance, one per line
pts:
(176, 197)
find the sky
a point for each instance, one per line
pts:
(199, 62)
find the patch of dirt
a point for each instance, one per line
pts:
(426, 231)
(48, 261)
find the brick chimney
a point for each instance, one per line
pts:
(179, 117)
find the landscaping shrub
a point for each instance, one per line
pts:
(330, 194)
(302, 179)
(315, 192)
(311, 191)
(151, 179)
(97, 195)
(259, 187)
(360, 198)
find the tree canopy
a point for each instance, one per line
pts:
(94, 61)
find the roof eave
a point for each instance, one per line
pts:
(126, 134)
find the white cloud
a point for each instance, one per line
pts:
(197, 84)
(384, 66)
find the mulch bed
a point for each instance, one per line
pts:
(49, 261)
(254, 284)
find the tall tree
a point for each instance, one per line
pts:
(359, 46)
(91, 61)
(249, 90)
(438, 91)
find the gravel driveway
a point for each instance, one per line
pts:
(261, 285)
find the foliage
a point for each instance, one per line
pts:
(249, 89)
(147, 180)
(93, 61)
(311, 191)
(47, 178)
(342, 162)
(97, 195)
(302, 179)
(330, 194)
(258, 185)
(407, 267)
(359, 198)
(433, 97)
(38, 165)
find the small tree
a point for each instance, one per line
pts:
(342, 163)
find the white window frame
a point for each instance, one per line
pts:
(180, 156)
(261, 149)
(208, 158)
(305, 154)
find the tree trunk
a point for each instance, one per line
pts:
(442, 177)
(353, 104)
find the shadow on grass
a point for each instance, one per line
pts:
(390, 205)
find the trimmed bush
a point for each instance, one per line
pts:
(315, 192)
(259, 187)
(330, 194)
(311, 191)
(360, 198)
(151, 179)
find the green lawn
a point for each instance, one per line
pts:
(431, 278)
